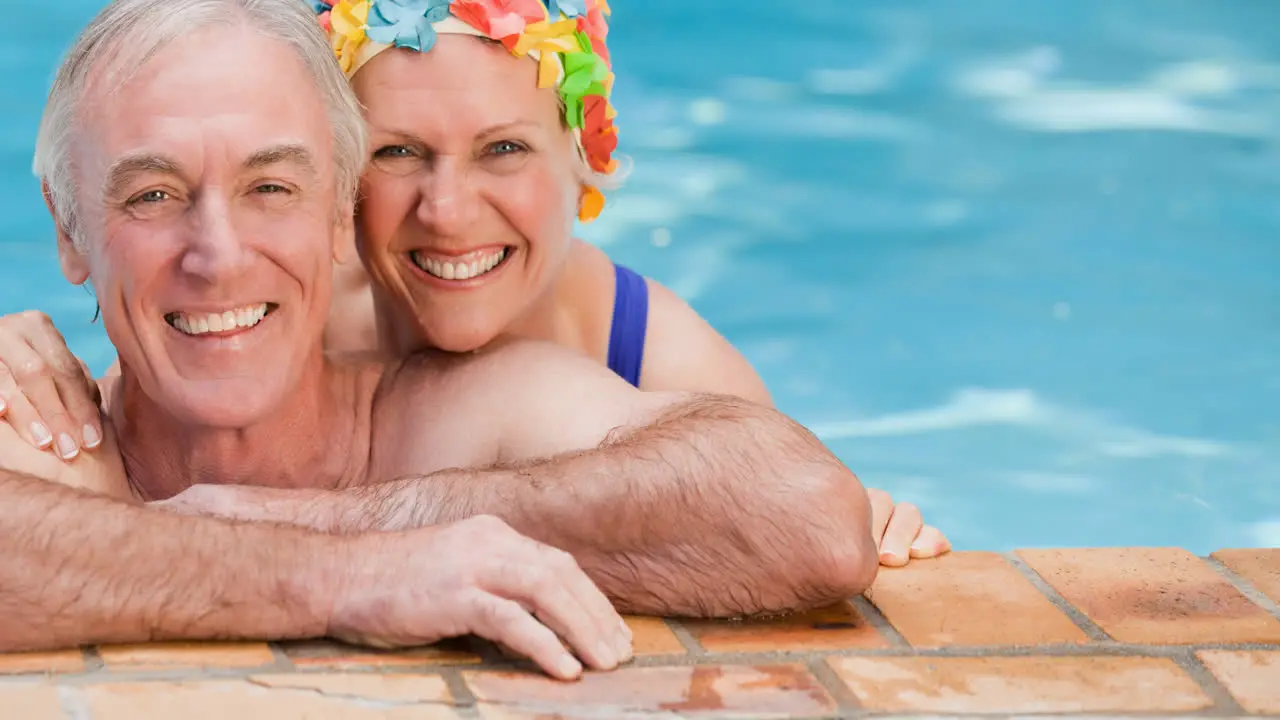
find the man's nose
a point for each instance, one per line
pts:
(214, 250)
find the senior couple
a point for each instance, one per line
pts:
(369, 386)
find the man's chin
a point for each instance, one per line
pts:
(221, 404)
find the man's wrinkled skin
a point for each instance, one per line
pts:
(203, 189)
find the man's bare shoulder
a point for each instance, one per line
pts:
(436, 410)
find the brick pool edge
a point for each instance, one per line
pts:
(1101, 631)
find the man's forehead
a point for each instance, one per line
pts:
(224, 89)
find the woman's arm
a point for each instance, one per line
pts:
(683, 353)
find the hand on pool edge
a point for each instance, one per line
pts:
(900, 532)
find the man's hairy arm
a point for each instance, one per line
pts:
(716, 508)
(675, 504)
(78, 569)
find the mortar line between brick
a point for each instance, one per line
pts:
(839, 691)
(283, 662)
(878, 621)
(1224, 703)
(1091, 629)
(458, 689)
(686, 638)
(798, 656)
(93, 661)
(1246, 588)
(73, 703)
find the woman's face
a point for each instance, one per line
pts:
(468, 206)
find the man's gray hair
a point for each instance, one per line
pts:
(127, 33)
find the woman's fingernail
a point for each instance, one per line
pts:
(91, 437)
(41, 435)
(3, 407)
(67, 447)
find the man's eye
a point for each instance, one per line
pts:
(392, 152)
(271, 189)
(151, 196)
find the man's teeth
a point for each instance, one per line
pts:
(201, 323)
(459, 270)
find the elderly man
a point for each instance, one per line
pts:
(193, 192)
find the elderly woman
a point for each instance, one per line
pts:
(491, 132)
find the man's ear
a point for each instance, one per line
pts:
(75, 267)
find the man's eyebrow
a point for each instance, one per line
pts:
(126, 168)
(278, 154)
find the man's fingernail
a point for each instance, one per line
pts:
(41, 435)
(91, 437)
(67, 447)
(3, 407)
(568, 666)
(607, 653)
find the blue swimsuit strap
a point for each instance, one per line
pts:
(630, 322)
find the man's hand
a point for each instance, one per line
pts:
(47, 394)
(477, 576)
(900, 532)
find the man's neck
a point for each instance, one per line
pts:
(319, 438)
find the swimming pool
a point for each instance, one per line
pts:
(1020, 268)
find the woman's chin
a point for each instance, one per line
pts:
(460, 340)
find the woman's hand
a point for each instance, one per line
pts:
(47, 394)
(900, 532)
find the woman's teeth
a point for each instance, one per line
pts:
(202, 323)
(458, 269)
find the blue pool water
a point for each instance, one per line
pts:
(1015, 262)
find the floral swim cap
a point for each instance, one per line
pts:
(566, 38)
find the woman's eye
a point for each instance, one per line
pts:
(506, 147)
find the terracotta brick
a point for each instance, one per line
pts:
(392, 686)
(744, 691)
(940, 602)
(337, 656)
(30, 702)
(68, 661)
(168, 656)
(1153, 595)
(1260, 567)
(1019, 684)
(837, 627)
(1252, 678)
(220, 699)
(651, 636)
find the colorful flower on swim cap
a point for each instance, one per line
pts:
(570, 8)
(599, 134)
(347, 21)
(584, 74)
(499, 19)
(596, 27)
(548, 39)
(407, 23)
